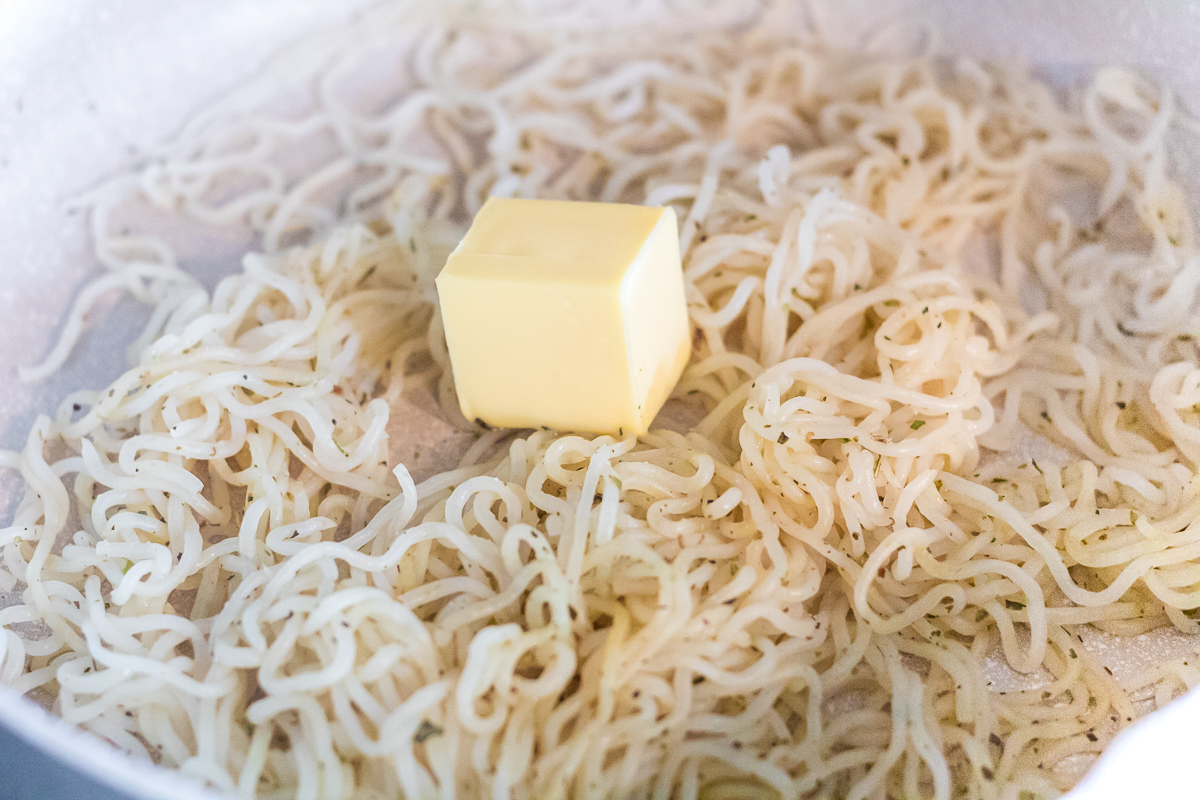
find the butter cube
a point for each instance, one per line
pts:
(566, 314)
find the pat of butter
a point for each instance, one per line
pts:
(569, 315)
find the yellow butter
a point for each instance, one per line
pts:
(569, 315)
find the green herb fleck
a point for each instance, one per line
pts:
(916, 424)
(1014, 605)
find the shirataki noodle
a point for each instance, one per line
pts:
(899, 470)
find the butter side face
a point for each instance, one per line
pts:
(527, 354)
(656, 319)
(564, 314)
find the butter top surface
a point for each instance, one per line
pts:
(554, 241)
